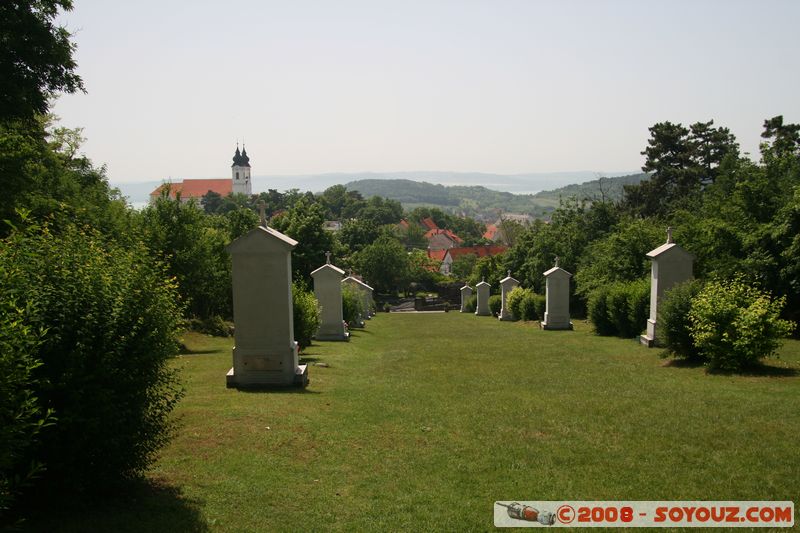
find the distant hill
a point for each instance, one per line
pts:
(608, 188)
(462, 192)
(478, 201)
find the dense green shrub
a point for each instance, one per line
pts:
(620, 308)
(514, 301)
(213, 325)
(307, 314)
(527, 307)
(472, 304)
(673, 320)
(352, 305)
(598, 311)
(734, 324)
(539, 306)
(22, 415)
(111, 319)
(495, 303)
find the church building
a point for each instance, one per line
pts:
(189, 189)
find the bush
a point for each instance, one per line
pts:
(673, 320)
(495, 303)
(539, 306)
(307, 314)
(22, 415)
(514, 301)
(472, 304)
(733, 325)
(598, 311)
(213, 325)
(111, 320)
(620, 308)
(352, 305)
(528, 308)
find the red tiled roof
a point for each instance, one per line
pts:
(429, 223)
(437, 254)
(491, 232)
(196, 188)
(479, 251)
(403, 224)
(452, 236)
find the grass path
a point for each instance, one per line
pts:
(422, 421)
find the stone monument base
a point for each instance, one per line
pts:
(332, 336)
(254, 369)
(506, 317)
(556, 325)
(649, 338)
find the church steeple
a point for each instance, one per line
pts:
(237, 157)
(240, 172)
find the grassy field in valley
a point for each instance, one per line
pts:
(422, 421)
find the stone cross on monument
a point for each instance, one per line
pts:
(669, 235)
(327, 258)
(262, 214)
(556, 262)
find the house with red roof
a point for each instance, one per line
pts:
(195, 189)
(428, 224)
(492, 232)
(438, 255)
(442, 239)
(478, 251)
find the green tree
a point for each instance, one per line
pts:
(683, 161)
(337, 201)
(384, 263)
(303, 223)
(194, 252)
(356, 234)
(463, 266)
(36, 59)
(785, 137)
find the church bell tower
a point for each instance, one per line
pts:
(240, 172)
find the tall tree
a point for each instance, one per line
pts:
(35, 57)
(683, 161)
(785, 137)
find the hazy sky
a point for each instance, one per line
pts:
(489, 86)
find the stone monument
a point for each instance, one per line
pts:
(328, 290)
(507, 284)
(483, 289)
(671, 265)
(265, 352)
(365, 293)
(466, 294)
(556, 315)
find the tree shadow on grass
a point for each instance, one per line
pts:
(144, 505)
(187, 351)
(757, 370)
(277, 390)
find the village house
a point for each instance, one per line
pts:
(452, 254)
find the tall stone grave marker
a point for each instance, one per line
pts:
(328, 290)
(265, 352)
(365, 293)
(671, 265)
(483, 289)
(556, 315)
(507, 284)
(466, 294)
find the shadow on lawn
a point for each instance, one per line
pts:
(144, 505)
(758, 370)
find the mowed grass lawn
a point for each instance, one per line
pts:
(422, 421)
